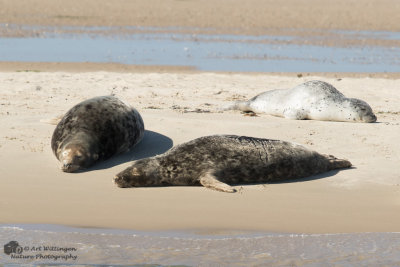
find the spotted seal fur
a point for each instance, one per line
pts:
(313, 100)
(218, 160)
(95, 130)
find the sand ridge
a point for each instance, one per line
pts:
(252, 16)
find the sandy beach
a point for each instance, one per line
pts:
(178, 107)
(179, 104)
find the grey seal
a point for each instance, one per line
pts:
(218, 160)
(313, 100)
(95, 130)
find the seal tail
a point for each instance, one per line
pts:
(335, 163)
(238, 105)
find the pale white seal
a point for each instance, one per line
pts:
(313, 100)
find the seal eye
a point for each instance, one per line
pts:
(135, 172)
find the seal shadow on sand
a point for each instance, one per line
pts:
(299, 180)
(152, 144)
(314, 177)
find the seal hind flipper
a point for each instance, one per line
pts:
(209, 180)
(53, 121)
(239, 105)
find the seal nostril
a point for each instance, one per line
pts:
(67, 166)
(120, 181)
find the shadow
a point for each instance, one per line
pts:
(314, 177)
(299, 180)
(152, 144)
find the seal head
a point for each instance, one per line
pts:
(75, 156)
(361, 111)
(143, 172)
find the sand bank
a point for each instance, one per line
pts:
(234, 16)
(178, 107)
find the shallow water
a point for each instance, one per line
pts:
(205, 52)
(83, 246)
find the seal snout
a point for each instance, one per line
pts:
(120, 181)
(372, 118)
(369, 118)
(69, 167)
(66, 166)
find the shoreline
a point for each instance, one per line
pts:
(199, 233)
(94, 246)
(83, 67)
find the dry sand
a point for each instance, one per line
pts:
(178, 107)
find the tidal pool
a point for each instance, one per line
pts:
(240, 53)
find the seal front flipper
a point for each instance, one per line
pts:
(210, 181)
(294, 114)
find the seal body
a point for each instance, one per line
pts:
(95, 130)
(218, 160)
(313, 100)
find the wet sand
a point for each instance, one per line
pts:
(77, 67)
(234, 16)
(312, 22)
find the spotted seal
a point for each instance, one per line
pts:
(218, 160)
(95, 130)
(313, 100)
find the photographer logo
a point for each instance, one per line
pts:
(12, 247)
(52, 253)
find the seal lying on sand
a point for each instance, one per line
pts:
(95, 130)
(314, 100)
(218, 160)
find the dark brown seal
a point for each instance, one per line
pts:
(95, 130)
(218, 160)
